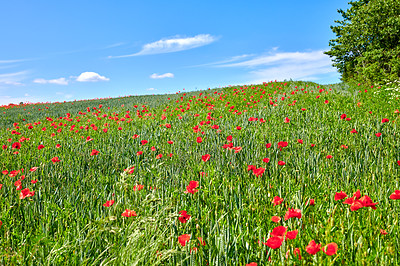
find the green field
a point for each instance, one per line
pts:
(87, 166)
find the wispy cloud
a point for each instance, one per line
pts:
(151, 89)
(229, 60)
(162, 76)
(14, 78)
(309, 65)
(59, 81)
(172, 45)
(91, 77)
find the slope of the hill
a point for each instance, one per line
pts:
(225, 176)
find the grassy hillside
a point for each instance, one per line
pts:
(259, 171)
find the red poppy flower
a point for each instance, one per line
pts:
(330, 249)
(16, 145)
(252, 264)
(293, 213)
(281, 163)
(329, 157)
(356, 205)
(153, 148)
(268, 145)
(159, 156)
(184, 217)
(277, 200)
(138, 187)
(398, 162)
(206, 157)
(26, 193)
(144, 142)
(340, 195)
(354, 131)
(287, 120)
(367, 202)
(170, 142)
(199, 140)
(378, 134)
(282, 144)
(88, 139)
(266, 160)
(258, 171)
(276, 219)
(312, 248)
(238, 128)
(33, 181)
(274, 242)
(55, 159)
(344, 147)
(139, 153)
(40, 147)
(1, 223)
(395, 195)
(229, 138)
(202, 242)
(312, 145)
(311, 202)
(108, 203)
(300, 141)
(279, 231)
(94, 152)
(4, 172)
(183, 239)
(349, 201)
(343, 116)
(251, 167)
(384, 120)
(292, 234)
(58, 146)
(33, 169)
(191, 188)
(135, 136)
(296, 251)
(128, 213)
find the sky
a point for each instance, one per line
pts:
(74, 50)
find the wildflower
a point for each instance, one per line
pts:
(108, 203)
(55, 159)
(312, 248)
(138, 187)
(354, 131)
(183, 239)
(26, 193)
(395, 195)
(16, 145)
(287, 120)
(296, 251)
(274, 242)
(199, 140)
(330, 249)
(343, 116)
(292, 234)
(128, 213)
(266, 160)
(277, 200)
(94, 152)
(300, 141)
(329, 157)
(258, 171)
(383, 232)
(184, 217)
(276, 219)
(40, 147)
(144, 142)
(191, 188)
(268, 145)
(293, 213)
(206, 157)
(281, 163)
(385, 120)
(279, 231)
(282, 144)
(340, 195)
(311, 202)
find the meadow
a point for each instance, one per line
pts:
(291, 173)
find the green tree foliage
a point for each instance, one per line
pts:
(367, 47)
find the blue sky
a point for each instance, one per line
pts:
(67, 50)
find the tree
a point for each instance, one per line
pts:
(367, 47)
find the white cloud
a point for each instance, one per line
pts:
(286, 65)
(172, 45)
(166, 75)
(12, 78)
(91, 77)
(151, 89)
(59, 81)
